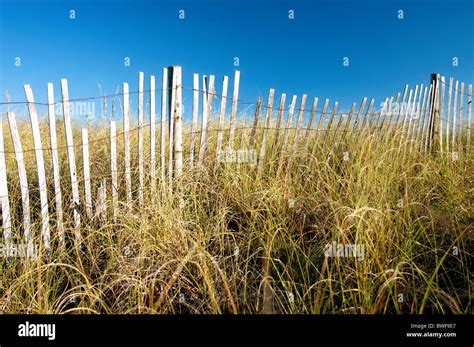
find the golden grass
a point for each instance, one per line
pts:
(230, 240)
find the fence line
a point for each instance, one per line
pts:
(421, 121)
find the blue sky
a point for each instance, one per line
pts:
(303, 55)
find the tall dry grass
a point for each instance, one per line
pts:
(231, 240)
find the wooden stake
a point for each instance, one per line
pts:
(279, 117)
(4, 202)
(164, 87)
(55, 160)
(310, 123)
(71, 159)
(235, 97)
(126, 142)
(255, 124)
(266, 125)
(113, 168)
(286, 131)
(221, 118)
(178, 136)
(141, 177)
(448, 116)
(45, 232)
(195, 117)
(20, 163)
(298, 123)
(152, 137)
(86, 169)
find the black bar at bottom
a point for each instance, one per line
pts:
(452, 330)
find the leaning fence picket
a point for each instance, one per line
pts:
(448, 116)
(310, 123)
(55, 160)
(266, 125)
(331, 119)
(357, 121)
(469, 112)
(441, 114)
(113, 168)
(20, 163)
(164, 85)
(221, 118)
(419, 132)
(205, 114)
(235, 98)
(86, 171)
(279, 118)
(461, 109)
(208, 97)
(141, 177)
(425, 136)
(298, 122)
(348, 122)
(152, 138)
(171, 105)
(177, 119)
(45, 232)
(320, 126)
(195, 118)
(286, 132)
(71, 158)
(4, 201)
(454, 114)
(126, 143)
(255, 124)
(101, 207)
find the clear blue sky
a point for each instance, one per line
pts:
(304, 55)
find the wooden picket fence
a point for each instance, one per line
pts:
(421, 117)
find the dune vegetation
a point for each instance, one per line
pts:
(234, 239)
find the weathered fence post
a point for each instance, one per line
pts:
(208, 95)
(298, 123)
(469, 112)
(71, 158)
(55, 159)
(171, 103)
(195, 118)
(281, 108)
(448, 116)
(454, 114)
(141, 176)
(86, 170)
(461, 109)
(45, 232)
(310, 123)
(164, 85)
(253, 132)
(221, 119)
(434, 109)
(177, 119)
(126, 142)
(266, 125)
(152, 138)
(235, 97)
(441, 107)
(286, 131)
(113, 168)
(25, 195)
(4, 202)
(357, 121)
